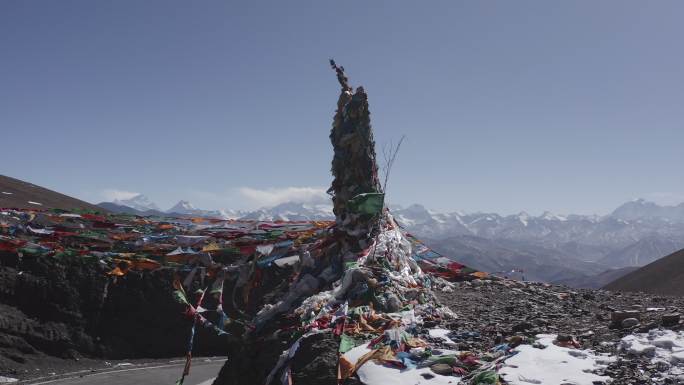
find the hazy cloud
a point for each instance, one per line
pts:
(277, 195)
(665, 198)
(114, 194)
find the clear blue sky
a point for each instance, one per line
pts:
(573, 106)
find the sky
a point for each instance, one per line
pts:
(571, 107)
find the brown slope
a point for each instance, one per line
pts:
(664, 276)
(23, 192)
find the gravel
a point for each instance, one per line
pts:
(495, 310)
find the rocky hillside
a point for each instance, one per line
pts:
(15, 193)
(599, 280)
(68, 309)
(500, 311)
(664, 276)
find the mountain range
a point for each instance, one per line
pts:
(288, 211)
(577, 250)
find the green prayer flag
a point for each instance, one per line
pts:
(347, 343)
(32, 251)
(180, 297)
(449, 359)
(368, 203)
(485, 378)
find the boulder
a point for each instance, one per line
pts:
(628, 323)
(671, 319)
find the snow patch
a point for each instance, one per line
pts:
(442, 333)
(553, 364)
(371, 373)
(664, 346)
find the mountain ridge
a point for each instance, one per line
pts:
(16, 193)
(664, 276)
(569, 249)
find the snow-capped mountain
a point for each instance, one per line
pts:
(549, 247)
(289, 211)
(292, 211)
(139, 202)
(182, 207)
(185, 208)
(643, 209)
(548, 230)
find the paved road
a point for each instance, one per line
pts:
(202, 373)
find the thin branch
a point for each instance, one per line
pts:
(390, 156)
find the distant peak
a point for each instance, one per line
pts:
(548, 215)
(416, 207)
(182, 206)
(138, 202)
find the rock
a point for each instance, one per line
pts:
(564, 338)
(521, 327)
(442, 369)
(647, 327)
(414, 293)
(617, 317)
(316, 360)
(515, 341)
(629, 323)
(393, 303)
(671, 319)
(541, 321)
(430, 324)
(567, 341)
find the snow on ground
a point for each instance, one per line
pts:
(442, 333)
(530, 365)
(666, 347)
(373, 374)
(553, 364)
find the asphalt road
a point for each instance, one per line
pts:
(201, 373)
